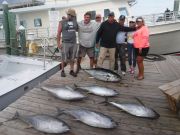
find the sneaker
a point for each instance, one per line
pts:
(78, 68)
(123, 73)
(132, 71)
(63, 74)
(72, 73)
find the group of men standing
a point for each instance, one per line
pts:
(93, 36)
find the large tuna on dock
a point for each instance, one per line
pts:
(104, 74)
(44, 123)
(98, 90)
(91, 118)
(137, 110)
(64, 92)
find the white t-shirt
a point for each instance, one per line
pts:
(87, 33)
(130, 37)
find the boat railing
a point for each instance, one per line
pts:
(39, 33)
(150, 20)
(2, 34)
(161, 18)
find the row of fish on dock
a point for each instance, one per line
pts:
(52, 124)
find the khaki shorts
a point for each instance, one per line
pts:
(83, 51)
(69, 51)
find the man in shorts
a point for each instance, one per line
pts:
(67, 43)
(87, 33)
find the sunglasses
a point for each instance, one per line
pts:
(69, 15)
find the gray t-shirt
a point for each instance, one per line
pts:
(87, 33)
(69, 28)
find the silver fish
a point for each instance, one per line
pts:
(91, 118)
(64, 92)
(104, 74)
(98, 90)
(137, 110)
(44, 123)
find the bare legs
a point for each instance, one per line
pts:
(140, 67)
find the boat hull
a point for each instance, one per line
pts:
(164, 38)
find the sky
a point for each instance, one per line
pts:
(144, 7)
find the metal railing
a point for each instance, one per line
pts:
(39, 32)
(23, 3)
(150, 20)
(162, 18)
(44, 45)
(2, 35)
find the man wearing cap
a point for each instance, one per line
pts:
(86, 33)
(107, 33)
(67, 43)
(121, 45)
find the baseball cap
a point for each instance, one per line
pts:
(71, 12)
(122, 17)
(111, 14)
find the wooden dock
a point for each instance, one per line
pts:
(37, 101)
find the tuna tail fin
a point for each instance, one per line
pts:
(105, 102)
(39, 86)
(75, 85)
(16, 115)
(60, 111)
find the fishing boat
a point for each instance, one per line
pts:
(42, 20)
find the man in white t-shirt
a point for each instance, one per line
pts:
(86, 34)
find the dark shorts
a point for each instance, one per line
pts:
(144, 52)
(83, 51)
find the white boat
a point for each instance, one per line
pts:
(43, 20)
(20, 74)
(164, 32)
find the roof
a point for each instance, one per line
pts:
(19, 3)
(56, 6)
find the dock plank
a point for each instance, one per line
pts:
(38, 101)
